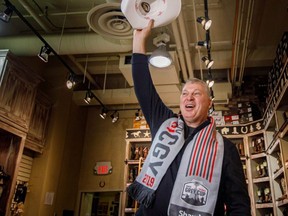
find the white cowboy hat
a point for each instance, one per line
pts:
(139, 12)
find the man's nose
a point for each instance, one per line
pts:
(190, 96)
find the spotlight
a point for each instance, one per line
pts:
(210, 81)
(203, 43)
(6, 15)
(205, 22)
(212, 94)
(115, 116)
(44, 53)
(208, 62)
(137, 115)
(160, 57)
(88, 97)
(103, 113)
(70, 83)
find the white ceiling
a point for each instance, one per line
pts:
(95, 35)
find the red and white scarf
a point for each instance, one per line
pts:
(196, 187)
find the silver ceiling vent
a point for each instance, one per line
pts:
(108, 20)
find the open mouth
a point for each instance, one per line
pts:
(189, 106)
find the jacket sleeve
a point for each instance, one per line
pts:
(153, 108)
(236, 197)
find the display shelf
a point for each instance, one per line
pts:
(258, 155)
(261, 179)
(282, 202)
(279, 173)
(138, 142)
(273, 147)
(264, 205)
(278, 96)
(284, 131)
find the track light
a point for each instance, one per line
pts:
(70, 83)
(103, 113)
(88, 97)
(137, 115)
(6, 15)
(212, 94)
(210, 81)
(44, 53)
(208, 62)
(211, 109)
(160, 57)
(205, 22)
(115, 116)
(203, 43)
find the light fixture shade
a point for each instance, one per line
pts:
(44, 53)
(137, 115)
(202, 43)
(205, 22)
(70, 83)
(208, 62)
(160, 58)
(103, 113)
(115, 116)
(6, 15)
(88, 97)
(210, 83)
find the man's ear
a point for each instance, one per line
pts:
(211, 103)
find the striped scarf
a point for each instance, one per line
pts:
(196, 187)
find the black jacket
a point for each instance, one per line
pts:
(233, 191)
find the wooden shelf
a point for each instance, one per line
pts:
(133, 162)
(284, 132)
(282, 202)
(258, 155)
(262, 179)
(279, 173)
(129, 210)
(264, 205)
(274, 146)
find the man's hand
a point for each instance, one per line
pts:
(140, 36)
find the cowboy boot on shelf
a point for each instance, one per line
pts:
(260, 196)
(244, 170)
(260, 143)
(283, 190)
(131, 175)
(279, 162)
(259, 171)
(241, 149)
(145, 152)
(264, 171)
(141, 151)
(254, 146)
(136, 153)
(267, 193)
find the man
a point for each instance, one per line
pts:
(190, 169)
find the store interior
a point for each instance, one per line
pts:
(59, 157)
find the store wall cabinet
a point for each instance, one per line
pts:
(17, 92)
(19, 109)
(138, 142)
(275, 121)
